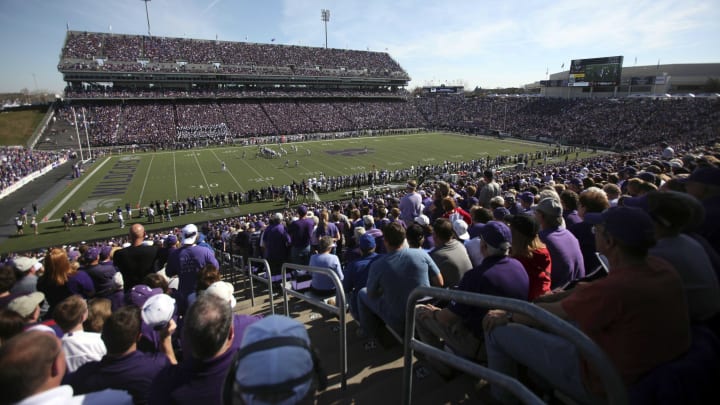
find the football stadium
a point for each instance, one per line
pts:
(375, 244)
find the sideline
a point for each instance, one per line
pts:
(147, 174)
(75, 189)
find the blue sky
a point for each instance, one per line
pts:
(473, 43)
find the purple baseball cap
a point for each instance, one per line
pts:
(631, 226)
(496, 234)
(73, 255)
(527, 197)
(500, 213)
(366, 242)
(105, 252)
(140, 293)
(91, 254)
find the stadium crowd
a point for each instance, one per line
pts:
(130, 53)
(18, 162)
(524, 232)
(635, 123)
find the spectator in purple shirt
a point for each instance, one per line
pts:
(209, 334)
(275, 242)
(102, 275)
(565, 254)
(300, 234)
(569, 200)
(124, 367)
(186, 262)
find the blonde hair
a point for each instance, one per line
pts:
(57, 266)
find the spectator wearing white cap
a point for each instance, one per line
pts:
(124, 367)
(226, 292)
(28, 306)
(26, 269)
(186, 262)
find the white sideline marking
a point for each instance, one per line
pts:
(76, 188)
(175, 176)
(146, 177)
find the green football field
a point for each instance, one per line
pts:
(139, 178)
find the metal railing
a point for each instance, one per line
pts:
(339, 309)
(614, 386)
(265, 280)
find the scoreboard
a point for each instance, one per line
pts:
(595, 72)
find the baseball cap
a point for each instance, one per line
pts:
(190, 233)
(73, 255)
(632, 226)
(275, 357)
(460, 227)
(302, 210)
(366, 242)
(496, 234)
(707, 175)
(23, 264)
(550, 207)
(527, 196)
(105, 252)
(422, 220)
(140, 293)
(171, 240)
(500, 213)
(158, 310)
(25, 305)
(91, 254)
(224, 291)
(411, 184)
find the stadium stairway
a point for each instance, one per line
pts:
(374, 375)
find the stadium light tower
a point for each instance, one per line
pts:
(325, 17)
(147, 15)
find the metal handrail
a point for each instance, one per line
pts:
(268, 281)
(339, 310)
(596, 357)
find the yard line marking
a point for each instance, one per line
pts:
(77, 187)
(228, 171)
(334, 169)
(147, 174)
(202, 173)
(175, 175)
(256, 172)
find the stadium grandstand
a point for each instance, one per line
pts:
(461, 219)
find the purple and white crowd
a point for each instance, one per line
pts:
(530, 233)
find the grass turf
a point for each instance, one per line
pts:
(17, 126)
(175, 175)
